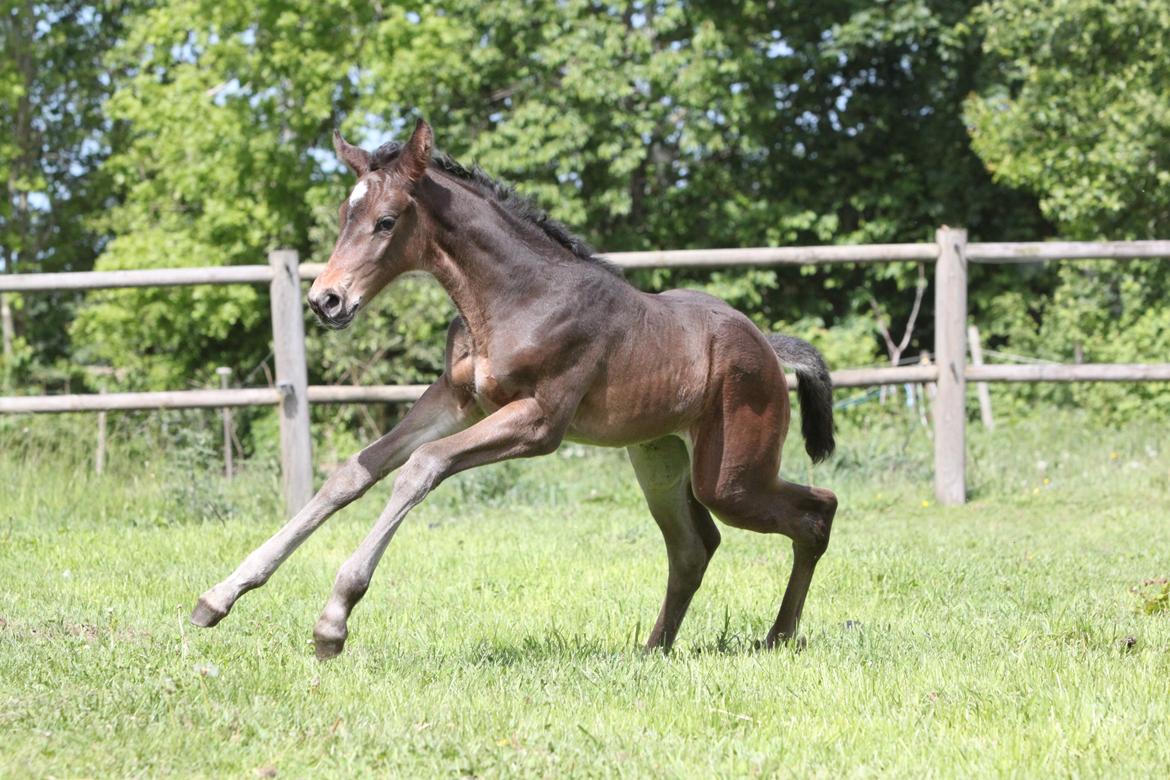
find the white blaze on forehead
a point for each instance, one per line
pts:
(358, 193)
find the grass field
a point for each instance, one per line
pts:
(1010, 637)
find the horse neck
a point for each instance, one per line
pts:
(479, 255)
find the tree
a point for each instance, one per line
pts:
(1073, 108)
(694, 124)
(53, 141)
(680, 124)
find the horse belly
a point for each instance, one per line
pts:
(646, 407)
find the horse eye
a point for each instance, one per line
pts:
(385, 224)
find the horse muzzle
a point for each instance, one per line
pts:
(333, 308)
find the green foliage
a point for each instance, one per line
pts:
(1074, 110)
(167, 337)
(198, 134)
(662, 125)
(1110, 314)
(215, 173)
(54, 139)
(697, 125)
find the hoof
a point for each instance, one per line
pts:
(329, 641)
(771, 643)
(328, 648)
(206, 614)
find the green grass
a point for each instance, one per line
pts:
(500, 636)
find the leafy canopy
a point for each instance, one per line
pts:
(642, 125)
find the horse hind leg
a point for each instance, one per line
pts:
(803, 514)
(663, 471)
(815, 509)
(735, 472)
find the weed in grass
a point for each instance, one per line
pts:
(1153, 596)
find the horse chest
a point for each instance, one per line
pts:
(493, 388)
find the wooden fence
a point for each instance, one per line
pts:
(950, 254)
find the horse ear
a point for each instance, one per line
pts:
(418, 152)
(355, 157)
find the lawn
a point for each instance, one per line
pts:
(1010, 637)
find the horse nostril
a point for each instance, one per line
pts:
(331, 303)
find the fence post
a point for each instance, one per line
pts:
(981, 389)
(288, 346)
(99, 455)
(950, 352)
(6, 325)
(225, 374)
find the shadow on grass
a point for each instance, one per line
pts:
(533, 648)
(557, 646)
(536, 649)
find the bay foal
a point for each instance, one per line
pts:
(551, 344)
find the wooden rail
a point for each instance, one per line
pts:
(122, 402)
(674, 258)
(393, 394)
(1067, 250)
(950, 254)
(1088, 372)
(155, 277)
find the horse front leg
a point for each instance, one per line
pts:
(519, 429)
(440, 411)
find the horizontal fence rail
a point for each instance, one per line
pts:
(785, 255)
(1086, 372)
(950, 254)
(390, 394)
(203, 399)
(121, 402)
(369, 394)
(1031, 252)
(1037, 251)
(153, 277)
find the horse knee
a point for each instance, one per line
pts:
(693, 559)
(703, 524)
(421, 473)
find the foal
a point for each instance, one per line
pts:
(551, 344)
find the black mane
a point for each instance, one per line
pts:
(515, 203)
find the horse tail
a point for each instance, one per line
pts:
(815, 390)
